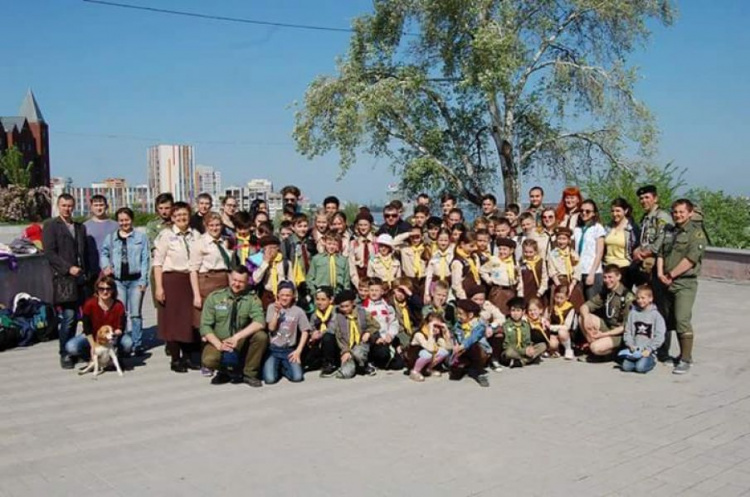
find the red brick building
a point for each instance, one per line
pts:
(30, 134)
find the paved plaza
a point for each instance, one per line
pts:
(561, 428)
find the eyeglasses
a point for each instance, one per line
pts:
(587, 211)
(104, 289)
(390, 216)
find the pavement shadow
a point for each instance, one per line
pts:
(150, 340)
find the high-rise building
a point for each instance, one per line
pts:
(171, 168)
(256, 189)
(29, 133)
(208, 180)
(115, 190)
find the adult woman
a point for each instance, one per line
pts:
(546, 237)
(567, 211)
(621, 238)
(173, 289)
(339, 225)
(210, 262)
(126, 255)
(588, 238)
(100, 310)
(228, 210)
(259, 218)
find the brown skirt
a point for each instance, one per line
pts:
(207, 283)
(174, 323)
(500, 296)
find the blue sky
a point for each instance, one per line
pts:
(110, 82)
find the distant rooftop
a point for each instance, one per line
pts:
(30, 109)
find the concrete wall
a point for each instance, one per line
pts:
(726, 264)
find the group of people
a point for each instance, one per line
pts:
(257, 301)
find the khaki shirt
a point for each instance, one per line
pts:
(438, 268)
(413, 265)
(612, 307)
(263, 274)
(557, 266)
(172, 250)
(205, 255)
(380, 267)
(653, 230)
(356, 254)
(496, 272)
(684, 242)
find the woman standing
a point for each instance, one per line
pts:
(621, 239)
(568, 210)
(546, 237)
(210, 263)
(588, 238)
(228, 210)
(173, 289)
(126, 256)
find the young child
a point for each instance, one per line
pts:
(533, 280)
(502, 230)
(492, 342)
(430, 346)
(244, 247)
(468, 355)
(320, 228)
(457, 231)
(562, 322)
(363, 290)
(438, 268)
(353, 329)
(383, 265)
(299, 249)
(285, 229)
(465, 266)
(563, 267)
(644, 333)
(539, 327)
(361, 247)
(501, 274)
(434, 224)
(511, 214)
(318, 354)
(383, 349)
(285, 320)
(272, 271)
(414, 259)
(408, 305)
(483, 244)
(517, 347)
(329, 268)
(439, 303)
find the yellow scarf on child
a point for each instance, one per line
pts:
(324, 317)
(517, 327)
(418, 250)
(404, 315)
(332, 269)
(531, 264)
(389, 276)
(275, 273)
(243, 248)
(354, 335)
(472, 264)
(566, 257)
(561, 310)
(468, 327)
(443, 268)
(536, 324)
(510, 268)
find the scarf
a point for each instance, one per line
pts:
(472, 264)
(531, 264)
(517, 327)
(243, 248)
(561, 310)
(184, 235)
(510, 268)
(224, 256)
(324, 317)
(332, 269)
(443, 267)
(274, 277)
(404, 315)
(425, 330)
(418, 251)
(565, 255)
(354, 335)
(388, 277)
(468, 327)
(433, 246)
(537, 325)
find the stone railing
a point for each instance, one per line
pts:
(726, 264)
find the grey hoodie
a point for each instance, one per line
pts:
(644, 329)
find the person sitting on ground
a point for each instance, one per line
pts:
(518, 349)
(321, 352)
(492, 317)
(603, 317)
(439, 303)
(353, 329)
(285, 320)
(644, 333)
(468, 354)
(232, 324)
(563, 321)
(431, 345)
(384, 342)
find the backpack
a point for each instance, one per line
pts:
(9, 334)
(36, 320)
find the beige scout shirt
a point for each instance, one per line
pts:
(438, 268)
(263, 273)
(497, 272)
(560, 265)
(172, 249)
(412, 261)
(206, 256)
(357, 257)
(385, 268)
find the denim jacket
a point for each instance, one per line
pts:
(139, 255)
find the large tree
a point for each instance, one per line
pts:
(459, 94)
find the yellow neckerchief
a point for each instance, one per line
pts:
(404, 315)
(517, 327)
(510, 268)
(472, 264)
(354, 335)
(324, 317)
(243, 248)
(418, 250)
(332, 269)
(537, 325)
(388, 278)
(565, 255)
(443, 268)
(275, 273)
(299, 272)
(433, 246)
(531, 264)
(467, 327)
(561, 310)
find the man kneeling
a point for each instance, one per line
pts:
(232, 324)
(603, 316)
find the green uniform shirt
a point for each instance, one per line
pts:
(517, 335)
(320, 273)
(615, 306)
(153, 228)
(684, 242)
(654, 226)
(217, 313)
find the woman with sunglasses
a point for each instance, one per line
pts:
(588, 238)
(103, 309)
(546, 237)
(126, 255)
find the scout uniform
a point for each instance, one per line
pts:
(464, 273)
(387, 268)
(534, 280)
(328, 270)
(502, 276)
(414, 259)
(360, 250)
(615, 305)
(683, 242)
(517, 336)
(438, 268)
(269, 274)
(564, 265)
(348, 330)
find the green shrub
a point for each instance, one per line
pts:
(726, 217)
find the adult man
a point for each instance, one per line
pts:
(163, 219)
(393, 225)
(232, 324)
(421, 213)
(423, 199)
(455, 216)
(205, 202)
(603, 317)
(331, 205)
(98, 226)
(536, 199)
(447, 204)
(654, 225)
(66, 249)
(291, 195)
(489, 206)
(678, 266)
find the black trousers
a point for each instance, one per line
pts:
(384, 356)
(324, 352)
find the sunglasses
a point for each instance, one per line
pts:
(587, 211)
(390, 216)
(105, 288)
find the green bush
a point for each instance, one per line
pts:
(726, 217)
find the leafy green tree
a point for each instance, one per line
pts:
(13, 168)
(458, 94)
(726, 217)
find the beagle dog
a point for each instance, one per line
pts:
(104, 353)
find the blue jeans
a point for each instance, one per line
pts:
(68, 323)
(642, 365)
(130, 295)
(78, 346)
(278, 359)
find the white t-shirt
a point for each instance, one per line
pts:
(585, 245)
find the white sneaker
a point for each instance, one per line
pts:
(496, 366)
(569, 356)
